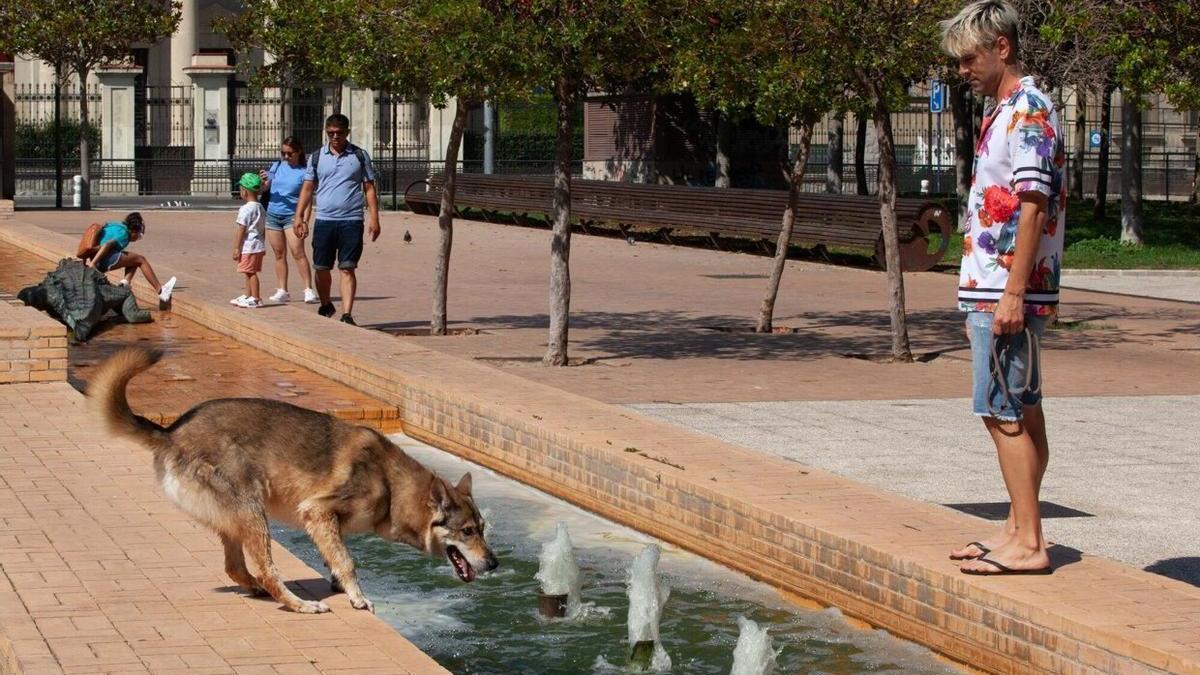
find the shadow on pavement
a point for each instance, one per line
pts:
(1186, 570)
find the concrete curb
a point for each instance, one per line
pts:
(1131, 273)
(877, 556)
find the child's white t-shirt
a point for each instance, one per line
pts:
(252, 216)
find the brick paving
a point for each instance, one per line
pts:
(645, 314)
(199, 364)
(100, 574)
(878, 556)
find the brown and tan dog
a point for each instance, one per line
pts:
(233, 463)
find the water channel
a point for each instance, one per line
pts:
(492, 626)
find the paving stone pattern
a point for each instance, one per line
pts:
(100, 574)
(199, 364)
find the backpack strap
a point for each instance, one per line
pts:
(313, 160)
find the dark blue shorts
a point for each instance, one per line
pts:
(340, 240)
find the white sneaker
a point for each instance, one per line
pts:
(281, 296)
(249, 302)
(165, 293)
(239, 299)
(123, 282)
(311, 297)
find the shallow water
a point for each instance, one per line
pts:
(491, 626)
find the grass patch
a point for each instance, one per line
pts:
(1172, 232)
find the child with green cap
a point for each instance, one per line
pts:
(250, 245)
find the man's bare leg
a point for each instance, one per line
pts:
(324, 282)
(1022, 466)
(1035, 423)
(349, 288)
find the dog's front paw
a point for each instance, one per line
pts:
(361, 602)
(312, 607)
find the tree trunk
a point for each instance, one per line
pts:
(441, 273)
(724, 141)
(1081, 142)
(560, 245)
(1101, 206)
(85, 200)
(961, 107)
(795, 181)
(833, 167)
(336, 100)
(1131, 169)
(891, 237)
(860, 154)
(1196, 171)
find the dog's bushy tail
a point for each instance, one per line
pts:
(107, 393)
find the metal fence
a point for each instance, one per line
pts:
(260, 119)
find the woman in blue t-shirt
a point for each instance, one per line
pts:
(282, 181)
(110, 254)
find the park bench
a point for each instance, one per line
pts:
(821, 219)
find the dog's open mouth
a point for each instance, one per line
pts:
(461, 567)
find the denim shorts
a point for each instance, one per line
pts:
(109, 260)
(337, 239)
(1008, 376)
(275, 222)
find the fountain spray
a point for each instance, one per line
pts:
(753, 654)
(559, 573)
(647, 597)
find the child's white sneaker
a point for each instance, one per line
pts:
(281, 296)
(311, 297)
(165, 293)
(123, 282)
(250, 302)
(239, 299)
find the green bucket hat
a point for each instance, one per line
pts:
(251, 182)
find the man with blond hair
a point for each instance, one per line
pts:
(1008, 286)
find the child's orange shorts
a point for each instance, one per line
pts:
(251, 262)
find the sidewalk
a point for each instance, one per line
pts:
(1181, 285)
(648, 315)
(100, 574)
(879, 556)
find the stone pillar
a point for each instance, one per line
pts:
(183, 42)
(210, 126)
(359, 105)
(116, 131)
(8, 126)
(441, 121)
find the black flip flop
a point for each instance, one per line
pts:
(977, 545)
(1006, 571)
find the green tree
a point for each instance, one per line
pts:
(883, 46)
(576, 46)
(78, 37)
(446, 50)
(1156, 44)
(308, 41)
(768, 59)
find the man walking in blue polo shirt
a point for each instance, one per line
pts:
(339, 175)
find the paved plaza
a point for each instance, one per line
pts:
(1124, 468)
(751, 414)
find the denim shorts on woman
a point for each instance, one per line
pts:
(1008, 377)
(275, 222)
(109, 260)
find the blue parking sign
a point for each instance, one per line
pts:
(937, 96)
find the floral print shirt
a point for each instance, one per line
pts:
(1020, 150)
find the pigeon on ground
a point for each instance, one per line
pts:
(630, 240)
(407, 237)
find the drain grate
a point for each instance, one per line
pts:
(999, 510)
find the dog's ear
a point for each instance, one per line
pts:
(439, 497)
(464, 485)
